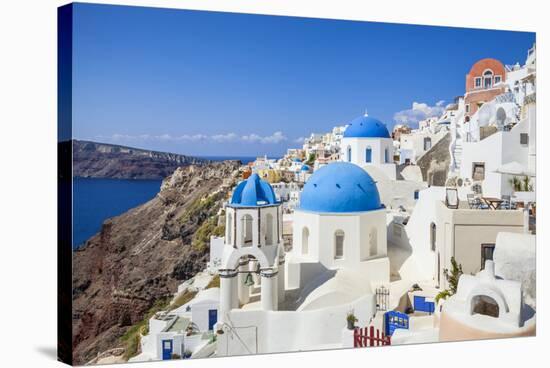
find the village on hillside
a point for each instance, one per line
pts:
(370, 237)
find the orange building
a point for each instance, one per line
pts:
(483, 83)
(246, 174)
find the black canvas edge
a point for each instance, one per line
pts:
(64, 183)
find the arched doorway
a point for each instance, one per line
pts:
(238, 278)
(246, 230)
(488, 78)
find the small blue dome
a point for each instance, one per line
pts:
(305, 168)
(366, 127)
(340, 187)
(253, 192)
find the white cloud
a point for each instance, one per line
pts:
(251, 138)
(274, 138)
(300, 140)
(224, 137)
(419, 111)
(193, 138)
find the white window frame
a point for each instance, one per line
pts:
(483, 77)
(478, 79)
(495, 79)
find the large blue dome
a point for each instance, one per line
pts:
(340, 187)
(253, 192)
(366, 127)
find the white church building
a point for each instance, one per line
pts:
(340, 224)
(368, 144)
(275, 302)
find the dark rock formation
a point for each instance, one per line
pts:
(142, 255)
(102, 160)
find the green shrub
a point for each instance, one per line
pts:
(215, 282)
(456, 272)
(201, 237)
(182, 299)
(452, 278)
(132, 337)
(444, 294)
(132, 346)
(200, 206)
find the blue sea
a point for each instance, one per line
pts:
(95, 200)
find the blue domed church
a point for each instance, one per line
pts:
(337, 261)
(340, 224)
(367, 143)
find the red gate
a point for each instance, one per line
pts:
(366, 336)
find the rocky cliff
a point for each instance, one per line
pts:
(435, 162)
(102, 160)
(141, 256)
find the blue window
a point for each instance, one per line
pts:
(368, 155)
(349, 154)
(386, 155)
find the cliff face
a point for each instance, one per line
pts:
(143, 255)
(435, 163)
(102, 160)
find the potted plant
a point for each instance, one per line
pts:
(523, 190)
(351, 319)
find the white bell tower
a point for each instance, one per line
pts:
(253, 258)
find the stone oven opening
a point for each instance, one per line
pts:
(483, 304)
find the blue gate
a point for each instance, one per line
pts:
(394, 320)
(212, 318)
(167, 347)
(421, 305)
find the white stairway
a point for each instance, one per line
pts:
(455, 147)
(457, 153)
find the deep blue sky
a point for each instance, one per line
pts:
(207, 83)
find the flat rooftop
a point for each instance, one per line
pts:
(180, 325)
